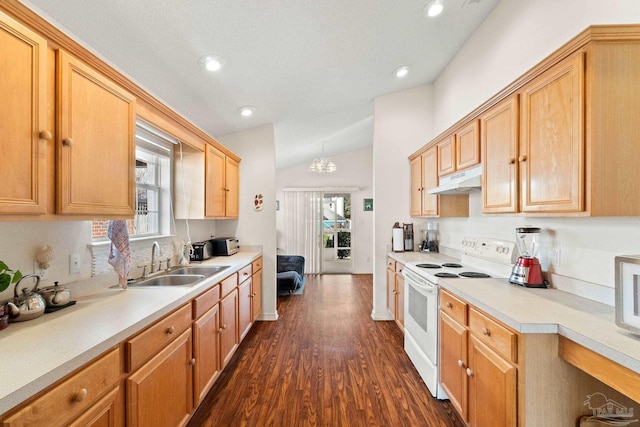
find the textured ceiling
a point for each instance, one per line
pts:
(312, 68)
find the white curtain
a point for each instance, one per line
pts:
(303, 227)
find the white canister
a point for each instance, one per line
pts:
(397, 239)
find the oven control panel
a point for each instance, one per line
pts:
(502, 251)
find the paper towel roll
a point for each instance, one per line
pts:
(398, 240)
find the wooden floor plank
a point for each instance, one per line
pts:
(325, 362)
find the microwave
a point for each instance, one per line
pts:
(628, 292)
(224, 246)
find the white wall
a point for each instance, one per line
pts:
(355, 169)
(256, 228)
(402, 122)
(516, 36)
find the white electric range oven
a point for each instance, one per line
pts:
(481, 258)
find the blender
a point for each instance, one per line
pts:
(527, 271)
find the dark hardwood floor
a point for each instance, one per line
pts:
(325, 362)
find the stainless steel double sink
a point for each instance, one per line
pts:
(179, 276)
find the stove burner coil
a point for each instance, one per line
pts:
(474, 275)
(452, 265)
(446, 275)
(428, 266)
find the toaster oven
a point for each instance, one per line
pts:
(224, 246)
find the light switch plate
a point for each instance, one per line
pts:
(74, 264)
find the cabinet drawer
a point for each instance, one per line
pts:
(256, 265)
(454, 307)
(244, 274)
(72, 397)
(204, 302)
(228, 284)
(391, 264)
(143, 346)
(492, 333)
(399, 268)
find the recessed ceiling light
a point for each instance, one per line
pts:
(211, 62)
(246, 111)
(434, 8)
(401, 72)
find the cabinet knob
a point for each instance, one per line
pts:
(449, 305)
(254, 294)
(46, 135)
(67, 142)
(460, 363)
(512, 161)
(170, 330)
(486, 331)
(469, 372)
(80, 395)
(193, 362)
(522, 158)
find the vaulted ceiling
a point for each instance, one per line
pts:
(312, 68)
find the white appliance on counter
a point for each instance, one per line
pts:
(481, 258)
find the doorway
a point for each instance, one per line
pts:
(336, 234)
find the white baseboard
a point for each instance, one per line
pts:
(269, 317)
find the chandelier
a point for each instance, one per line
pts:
(323, 164)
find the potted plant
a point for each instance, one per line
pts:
(8, 276)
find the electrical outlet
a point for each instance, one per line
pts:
(557, 257)
(74, 264)
(39, 271)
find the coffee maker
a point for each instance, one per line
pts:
(429, 239)
(408, 237)
(527, 271)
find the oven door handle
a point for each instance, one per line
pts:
(428, 288)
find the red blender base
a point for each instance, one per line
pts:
(527, 272)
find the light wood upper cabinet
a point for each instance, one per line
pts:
(424, 176)
(95, 154)
(221, 184)
(552, 140)
(499, 140)
(23, 67)
(447, 156)
(460, 150)
(468, 146)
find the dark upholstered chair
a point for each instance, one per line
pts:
(290, 273)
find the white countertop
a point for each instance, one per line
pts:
(38, 352)
(527, 310)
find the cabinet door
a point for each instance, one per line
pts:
(244, 309)
(102, 414)
(23, 67)
(400, 299)
(231, 188)
(453, 362)
(206, 347)
(492, 388)
(391, 292)
(499, 139)
(416, 187)
(446, 156)
(256, 295)
(228, 326)
(95, 155)
(468, 146)
(159, 394)
(552, 140)
(215, 193)
(430, 202)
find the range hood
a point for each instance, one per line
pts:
(460, 182)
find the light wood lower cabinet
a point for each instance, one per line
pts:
(160, 392)
(478, 364)
(244, 308)
(77, 398)
(228, 326)
(395, 291)
(256, 289)
(206, 342)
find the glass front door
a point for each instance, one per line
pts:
(336, 227)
